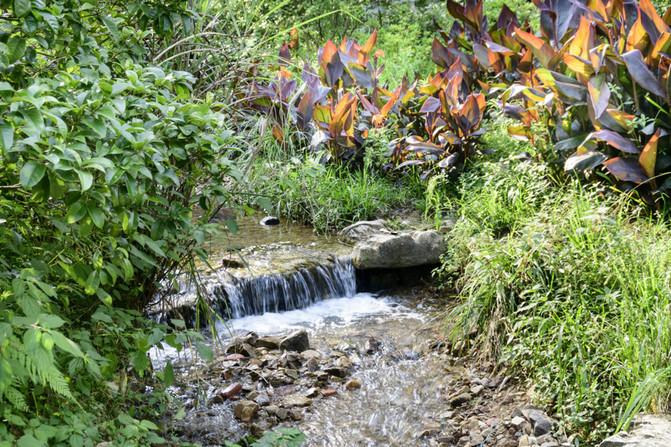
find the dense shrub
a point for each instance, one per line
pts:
(102, 162)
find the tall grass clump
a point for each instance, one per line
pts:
(574, 296)
(330, 197)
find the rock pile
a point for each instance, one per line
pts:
(264, 381)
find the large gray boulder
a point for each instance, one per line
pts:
(405, 249)
(649, 430)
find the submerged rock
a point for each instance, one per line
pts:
(407, 249)
(372, 345)
(649, 430)
(296, 341)
(353, 384)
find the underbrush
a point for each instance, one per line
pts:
(330, 197)
(567, 288)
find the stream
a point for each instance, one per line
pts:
(372, 371)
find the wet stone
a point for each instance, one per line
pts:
(231, 390)
(296, 400)
(234, 357)
(262, 399)
(337, 372)
(268, 342)
(429, 429)
(460, 399)
(269, 221)
(353, 384)
(372, 345)
(328, 392)
(312, 392)
(241, 348)
(311, 354)
(297, 341)
(245, 410)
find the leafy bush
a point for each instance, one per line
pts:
(102, 162)
(437, 122)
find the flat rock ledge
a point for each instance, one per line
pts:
(398, 250)
(648, 430)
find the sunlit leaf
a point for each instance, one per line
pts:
(648, 157)
(31, 174)
(584, 161)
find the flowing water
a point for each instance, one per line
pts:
(402, 390)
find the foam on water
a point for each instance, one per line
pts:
(334, 311)
(329, 313)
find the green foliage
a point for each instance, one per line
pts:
(283, 437)
(405, 47)
(102, 162)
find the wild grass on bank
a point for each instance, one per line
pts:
(327, 197)
(567, 289)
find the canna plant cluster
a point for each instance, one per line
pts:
(596, 74)
(436, 122)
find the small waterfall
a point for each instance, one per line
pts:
(235, 297)
(282, 292)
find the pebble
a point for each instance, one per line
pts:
(460, 399)
(353, 384)
(328, 392)
(245, 410)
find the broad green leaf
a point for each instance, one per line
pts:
(86, 179)
(112, 27)
(6, 136)
(140, 361)
(22, 7)
(168, 374)
(98, 126)
(31, 339)
(67, 345)
(28, 440)
(204, 351)
(17, 47)
(76, 212)
(97, 216)
(50, 321)
(31, 174)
